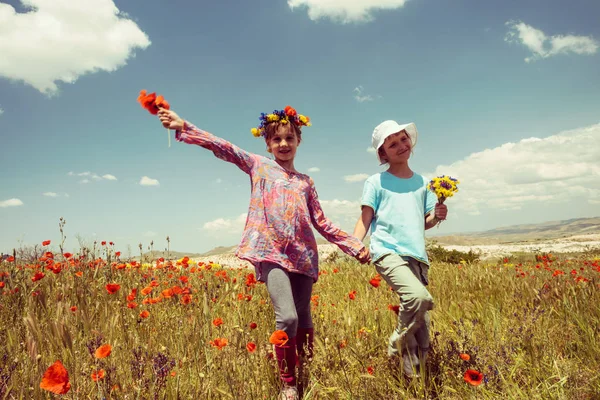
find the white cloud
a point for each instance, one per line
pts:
(145, 181)
(356, 177)
(11, 203)
(92, 175)
(345, 11)
(360, 97)
(314, 169)
(149, 234)
(543, 46)
(55, 41)
(558, 169)
(50, 194)
(234, 225)
(340, 208)
(1, 111)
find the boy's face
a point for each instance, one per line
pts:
(396, 148)
(283, 143)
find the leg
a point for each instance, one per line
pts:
(302, 291)
(286, 319)
(415, 301)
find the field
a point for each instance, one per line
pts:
(186, 330)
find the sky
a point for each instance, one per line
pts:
(505, 95)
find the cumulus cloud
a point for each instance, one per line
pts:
(145, 181)
(356, 178)
(543, 46)
(11, 203)
(345, 11)
(314, 169)
(54, 41)
(558, 169)
(220, 225)
(109, 177)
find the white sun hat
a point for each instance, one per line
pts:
(389, 127)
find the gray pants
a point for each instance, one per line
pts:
(408, 278)
(290, 294)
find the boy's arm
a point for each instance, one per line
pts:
(431, 220)
(364, 222)
(220, 147)
(347, 243)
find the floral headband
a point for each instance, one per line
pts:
(288, 114)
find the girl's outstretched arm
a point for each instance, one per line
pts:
(347, 243)
(188, 133)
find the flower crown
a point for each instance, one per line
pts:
(288, 114)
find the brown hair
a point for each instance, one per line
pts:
(273, 127)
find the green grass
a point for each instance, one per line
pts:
(533, 335)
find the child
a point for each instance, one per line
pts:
(278, 238)
(398, 208)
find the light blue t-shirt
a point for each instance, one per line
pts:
(400, 207)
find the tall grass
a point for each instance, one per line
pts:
(531, 328)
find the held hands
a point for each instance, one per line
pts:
(170, 119)
(441, 211)
(364, 257)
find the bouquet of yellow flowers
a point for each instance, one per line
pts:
(443, 186)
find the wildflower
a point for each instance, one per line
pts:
(343, 343)
(113, 288)
(46, 243)
(186, 299)
(394, 308)
(219, 343)
(473, 377)
(103, 351)
(352, 295)
(252, 325)
(79, 274)
(145, 314)
(37, 276)
(98, 375)
(464, 356)
(67, 255)
(56, 379)
(217, 322)
(251, 347)
(73, 308)
(146, 290)
(132, 304)
(279, 338)
(376, 281)
(370, 370)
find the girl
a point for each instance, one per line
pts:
(398, 208)
(278, 238)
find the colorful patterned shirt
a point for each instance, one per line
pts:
(284, 207)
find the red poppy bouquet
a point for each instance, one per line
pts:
(153, 104)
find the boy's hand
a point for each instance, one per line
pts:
(170, 119)
(364, 257)
(441, 211)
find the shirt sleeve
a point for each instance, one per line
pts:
(430, 198)
(220, 147)
(369, 196)
(347, 243)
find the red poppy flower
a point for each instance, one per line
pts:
(352, 295)
(103, 351)
(56, 379)
(103, 243)
(251, 347)
(219, 343)
(73, 308)
(186, 299)
(10, 259)
(217, 322)
(37, 276)
(98, 375)
(473, 377)
(46, 243)
(145, 314)
(252, 325)
(376, 281)
(279, 338)
(289, 111)
(370, 370)
(151, 102)
(113, 288)
(68, 255)
(464, 356)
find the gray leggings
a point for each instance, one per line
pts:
(290, 294)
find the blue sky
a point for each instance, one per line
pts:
(504, 94)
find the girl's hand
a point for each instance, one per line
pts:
(441, 211)
(170, 119)
(364, 257)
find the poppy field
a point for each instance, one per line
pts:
(94, 325)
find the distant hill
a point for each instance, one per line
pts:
(525, 233)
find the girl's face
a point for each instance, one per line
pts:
(283, 143)
(397, 148)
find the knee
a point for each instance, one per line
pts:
(420, 301)
(289, 324)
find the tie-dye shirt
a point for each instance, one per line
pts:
(284, 207)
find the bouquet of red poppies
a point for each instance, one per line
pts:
(153, 104)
